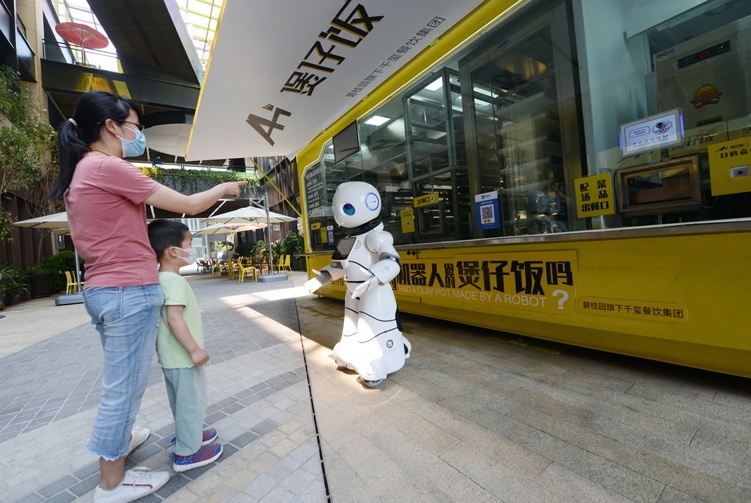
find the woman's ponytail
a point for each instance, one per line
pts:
(70, 150)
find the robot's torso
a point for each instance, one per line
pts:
(356, 254)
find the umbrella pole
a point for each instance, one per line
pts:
(78, 269)
(270, 276)
(72, 298)
(268, 239)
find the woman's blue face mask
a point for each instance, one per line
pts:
(134, 147)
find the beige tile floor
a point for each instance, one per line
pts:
(36, 320)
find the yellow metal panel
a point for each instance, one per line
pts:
(541, 281)
(730, 166)
(704, 276)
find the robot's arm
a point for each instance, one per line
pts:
(332, 271)
(387, 267)
(381, 242)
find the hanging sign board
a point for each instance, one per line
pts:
(427, 200)
(270, 89)
(408, 220)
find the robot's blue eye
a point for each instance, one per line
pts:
(349, 209)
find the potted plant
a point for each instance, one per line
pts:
(16, 288)
(5, 279)
(23, 277)
(293, 245)
(50, 276)
(260, 253)
(40, 284)
(277, 251)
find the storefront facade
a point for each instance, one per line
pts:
(575, 170)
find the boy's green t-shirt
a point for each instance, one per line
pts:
(177, 292)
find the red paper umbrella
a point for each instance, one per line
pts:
(82, 35)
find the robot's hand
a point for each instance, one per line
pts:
(314, 284)
(364, 287)
(387, 269)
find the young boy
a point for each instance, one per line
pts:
(179, 347)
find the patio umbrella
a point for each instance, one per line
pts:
(253, 214)
(229, 228)
(249, 214)
(58, 222)
(82, 35)
(53, 221)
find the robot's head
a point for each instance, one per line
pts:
(355, 203)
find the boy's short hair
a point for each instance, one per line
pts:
(166, 233)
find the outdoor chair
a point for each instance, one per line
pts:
(203, 266)
(71, 285)
(285, 263)
(219, 268)
(233, 267)
(247, 271)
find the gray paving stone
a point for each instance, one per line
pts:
(245, 439)
(32, 498)
(86, 485)
(175, 483)
(57, 486)
(62, 498)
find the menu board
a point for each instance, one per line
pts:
(656, 131)
(314, 188)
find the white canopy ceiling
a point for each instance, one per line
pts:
(171, 139)
(281, 72)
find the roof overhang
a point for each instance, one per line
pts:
(281, 72)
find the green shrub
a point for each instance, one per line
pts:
(57, 264)
(295, 245)
(259, 251)
(244, 249)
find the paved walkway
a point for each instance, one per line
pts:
(474, 415)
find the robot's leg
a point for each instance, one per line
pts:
(347, 345)
(407, 344)
(381, 344)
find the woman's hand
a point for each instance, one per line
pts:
(234, 188)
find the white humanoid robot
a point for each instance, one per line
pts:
(372, 343)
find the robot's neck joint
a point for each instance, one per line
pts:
(366, 227)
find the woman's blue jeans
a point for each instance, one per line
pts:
(126, 319)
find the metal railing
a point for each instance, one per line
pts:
(64, 52)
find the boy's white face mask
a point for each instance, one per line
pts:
(192, 255)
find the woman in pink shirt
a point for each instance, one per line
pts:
(105, 198)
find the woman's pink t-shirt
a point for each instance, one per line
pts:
(107, 218)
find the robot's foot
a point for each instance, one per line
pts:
(343, 366)
(407, 348)
(373, 384)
